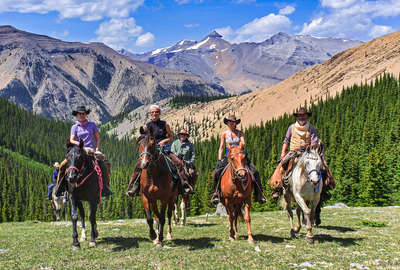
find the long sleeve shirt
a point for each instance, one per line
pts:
(184, 150)
(314, 135)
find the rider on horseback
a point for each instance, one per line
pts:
(163, 137)
(299, 136)
(88, 132)
(233, 136)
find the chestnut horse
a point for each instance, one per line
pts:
(156, 184)
(236, 189)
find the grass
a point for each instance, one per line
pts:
(341, 242)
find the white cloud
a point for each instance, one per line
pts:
(380, 30)
(352, 19)
(145, 40)
(257, 30)
(287, 10)
(118, 33)
(192, 25)
(87, 10)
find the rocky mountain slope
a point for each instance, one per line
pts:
(50, 77)
(246, 66)
(353, 66)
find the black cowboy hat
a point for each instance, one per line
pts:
(231, 118)
(80, 109)
(302, 110)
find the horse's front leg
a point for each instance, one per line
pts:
(149, 218)
(169, 213)
(92, 217)
(185, 198)
(175, 212)
(307, 212)
(247, 207)
(74, 218)
(300, 217)
(287, 204)
(231, 216)
(235, 220)
(161, 218)
(82, 215)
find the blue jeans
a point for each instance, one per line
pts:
(50, 189)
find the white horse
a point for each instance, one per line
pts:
(185, 199)
(305, 184)
(59, 204)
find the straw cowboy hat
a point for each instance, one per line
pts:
(183, 132)
(231, 118)
(302, 110)
(80, 109)
(56, 165)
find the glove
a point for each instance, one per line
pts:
(220, 163)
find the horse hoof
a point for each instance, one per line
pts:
(74, 248)
(83, 239)
(236, 236)
(157, 243)
(169, 237)
(152, 235)
(250, 240)
(297, 229)
(310, 240)
(292, 234)
(92, 244)
(231, 238)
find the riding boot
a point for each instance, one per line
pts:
(258, 193)
(105, 171)
(134, 183)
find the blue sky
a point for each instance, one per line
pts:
(144, 25)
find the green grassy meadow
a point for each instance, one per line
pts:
(348, 238)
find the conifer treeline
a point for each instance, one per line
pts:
(360, 129)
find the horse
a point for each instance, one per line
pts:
(236, 190)
(156, 184)
(84, 183)
(184, 201)
(58, 204)
(305, 184)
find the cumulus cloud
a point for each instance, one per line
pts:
(257, 30)
(118, 33)
(145, 40)
(352, 19)
(287, 10)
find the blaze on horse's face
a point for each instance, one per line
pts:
(146, 147)
(312, 164)
(75, 158)
(238, 159)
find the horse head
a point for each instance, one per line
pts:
(311, 163)
(147, 147)
(76, 161)
(237, 159)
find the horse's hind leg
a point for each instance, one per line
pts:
(287, 205)
(82, 215)
(237, 215)
(149, 218)
(184, 200)
(307, 213)
(300, 216)
(247, 207)
(175, 211)
(92, 217)
(170, 208)
(74, 218)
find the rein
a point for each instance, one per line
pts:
(237, 170)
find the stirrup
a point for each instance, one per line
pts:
(215, 199)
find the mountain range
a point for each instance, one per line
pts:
(50, 77)
(247, 66)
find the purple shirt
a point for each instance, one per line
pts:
(85, 132)
(314, 136)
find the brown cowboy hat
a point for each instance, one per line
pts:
(80, 109)
(231, 118)
(183, 132)
(302, 110)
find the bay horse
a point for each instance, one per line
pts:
(236, 190)
(156, 184)
(305, 184)
(84, 183)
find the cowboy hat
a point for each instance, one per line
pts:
(231, 118)
(302, 110)
(183, 132)
(56, 165)
(80, 109)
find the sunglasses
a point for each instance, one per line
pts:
(81, 113)
(155, 112)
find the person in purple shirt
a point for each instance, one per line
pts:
(88, 132)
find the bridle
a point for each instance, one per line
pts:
(236, 170)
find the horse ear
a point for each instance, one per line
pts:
(80, 143)
(142, 130)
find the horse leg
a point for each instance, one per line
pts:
(74, 218)
(154, 207)
(161, 217)
(247, 207)
(82, 215)
(307, 212)
(175, 212)
(287, 205)
(170, 208)
(149, 218)
(237, 214)
(231, 214)
(183, 209)
(300, 216)
(92, 218)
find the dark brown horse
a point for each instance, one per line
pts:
(83, 185)
(156, 184)
(236, 189)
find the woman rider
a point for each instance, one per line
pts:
(234, 137)
(88, 132)
(163, 136)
